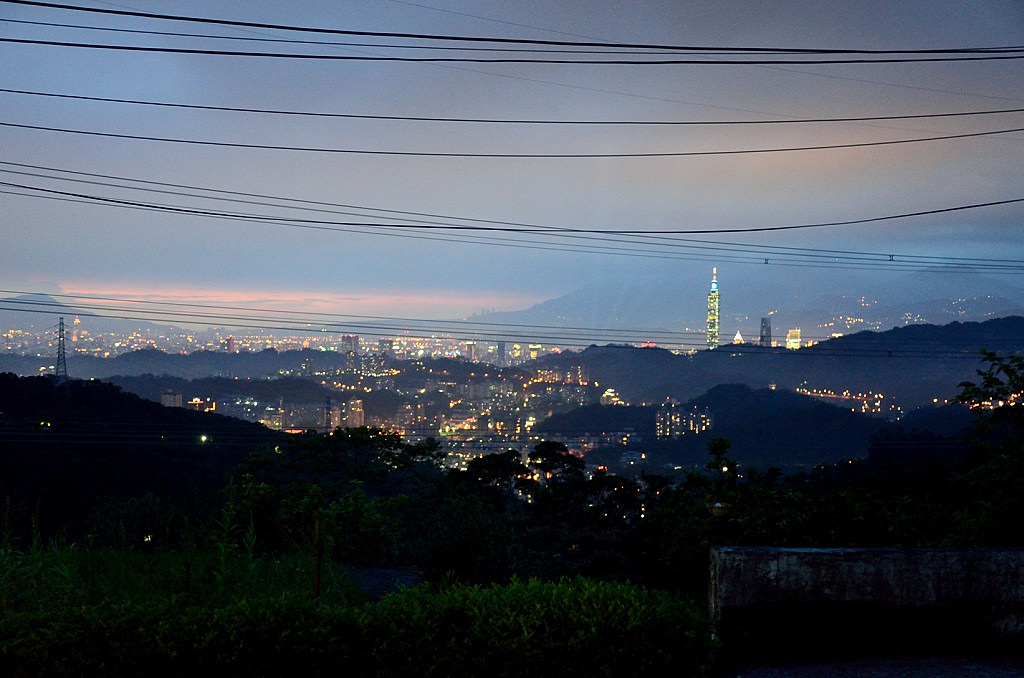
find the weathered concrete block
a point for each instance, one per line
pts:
(806, 602)
(743, 576)
(850, 596)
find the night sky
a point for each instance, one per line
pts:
(58, 237)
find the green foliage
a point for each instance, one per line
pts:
(568, 628)
(461, 537)
(564, 628)
(1002, 380)
(992, 505)
(504, 471)
(55, 575)
(355, 480)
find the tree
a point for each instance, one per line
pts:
(354, 478)
(992, 506)
(723, 470)
(554, 459)
(1001, 387)
(502, 471)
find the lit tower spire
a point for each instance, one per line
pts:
(713, 310)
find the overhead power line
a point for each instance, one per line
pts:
(313, 323)
(316, 205)
(454, 154)
(633, 243)
(531, 229)
(778, 256)
(392, 327)
(504, 40)
(511, 121)
(554, 337)
(320, 43)
(310, 319)
(653, 60)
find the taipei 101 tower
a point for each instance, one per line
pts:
(713, 311)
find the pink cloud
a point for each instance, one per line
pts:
(429, 304)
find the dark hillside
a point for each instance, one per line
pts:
(67, 453)
(766, 427)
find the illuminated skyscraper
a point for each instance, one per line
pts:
(349, 343)
(713, 310)
(354, 416)
(766, 332)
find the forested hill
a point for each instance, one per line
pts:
(913, 365)
(766, 428)
(191, 366)
(83, 448)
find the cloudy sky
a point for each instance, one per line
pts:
(274, 210)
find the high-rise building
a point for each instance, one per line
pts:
(354, 416)
(793, 339)
(350, 343)
(766, 332)
(672, 421)
(713, 310)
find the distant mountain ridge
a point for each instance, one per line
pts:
(265, 363)
(40, 312)
(819, 304)
(912, 366)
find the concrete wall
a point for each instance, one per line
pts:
(985, 581)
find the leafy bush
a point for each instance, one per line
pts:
(566, 628)
(573, 627)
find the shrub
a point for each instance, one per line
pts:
(567, 628)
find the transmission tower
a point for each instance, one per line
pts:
(61, 370)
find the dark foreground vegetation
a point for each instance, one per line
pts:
(529, 566)
(113, 613)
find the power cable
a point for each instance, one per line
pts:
(515, 41)
(832, 263)
(649, 61)
(320, 317)
(468, 329)
(319, 43)
(329, 224)
(592, 37)
(656, 235)
(450, 154)
(508, 121)
(861, 343)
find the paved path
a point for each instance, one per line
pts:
(893, 668)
